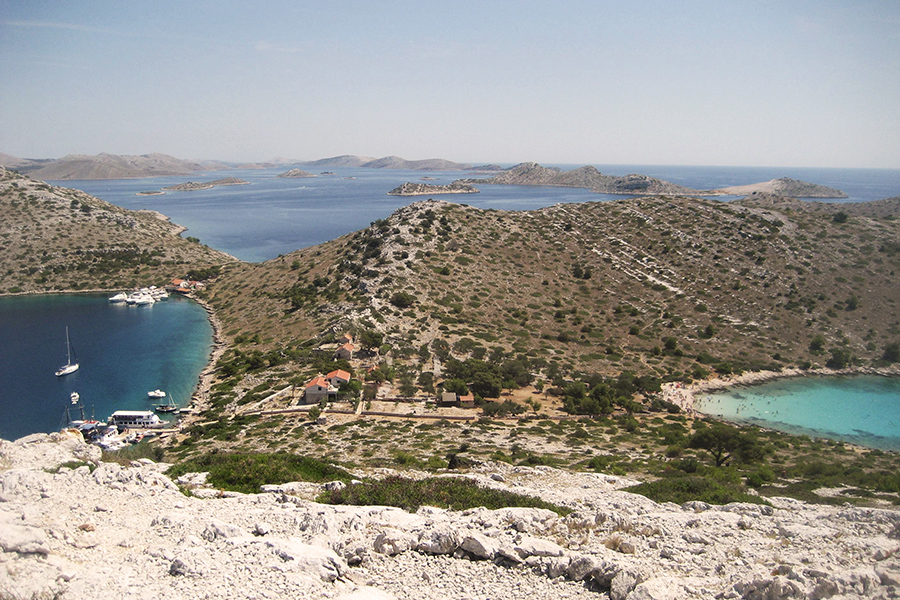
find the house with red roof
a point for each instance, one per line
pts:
(317, 390)
(338, 377)
(346, 351)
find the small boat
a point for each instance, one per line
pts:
(168, 407)
(69, 367)
(157, 393)
(120, 297)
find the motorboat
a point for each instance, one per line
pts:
(120, 297)
(157, 393)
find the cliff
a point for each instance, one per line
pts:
(77, 528)
(423, 189)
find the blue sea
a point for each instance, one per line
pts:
(272, 216)
(126, 351)
(123, 352)
(863, 410)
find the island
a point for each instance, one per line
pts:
(297, 173)
(423, 189)
(784, 186)
(193, 186)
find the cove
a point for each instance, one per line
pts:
(124, 352)
(862, 409)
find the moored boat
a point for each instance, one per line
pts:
(120, 297)
(157, 393)
(69, 367)
(139, 419)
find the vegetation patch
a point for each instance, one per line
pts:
(684, 489)
(453, 493)
(246, 473)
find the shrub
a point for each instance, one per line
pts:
(245, 473)
(445, 492)
(684, 489)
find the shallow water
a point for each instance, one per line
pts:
(863, 410)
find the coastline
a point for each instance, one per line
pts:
(684, 396)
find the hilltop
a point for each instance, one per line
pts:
(59, 239)
(653, 285)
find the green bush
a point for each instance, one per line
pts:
(245, 473)
(445, 492)
(684, 489)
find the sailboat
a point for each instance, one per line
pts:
(69, 367)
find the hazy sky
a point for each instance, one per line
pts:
(772, 83)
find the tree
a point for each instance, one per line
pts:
(402, 299)
(725, 442)
(457, 386)
(371, 338)
(840, 358)
(891, 352)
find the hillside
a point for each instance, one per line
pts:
(53, 238)
(584, 177)
(785, 187)
(387, 162)
(655, 285)
(113, 166)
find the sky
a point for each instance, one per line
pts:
(719, 82)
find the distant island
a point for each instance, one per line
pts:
(387, 162)
(784, 187)
(422, 189)
(108, 166)
(296, 173)
(585, 177)
(193, 186)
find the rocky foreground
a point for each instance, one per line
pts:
(128, 532)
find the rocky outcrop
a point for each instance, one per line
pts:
(77, 528)
(422, 189)
(297, 173)
(586, 177)
(784, 186)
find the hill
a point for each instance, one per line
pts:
(56, 239)
(387, 162)
(785, 187)
(660, 286)
(113, 166)
(584, 177)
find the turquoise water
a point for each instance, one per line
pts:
(124, 352)
(863, 410)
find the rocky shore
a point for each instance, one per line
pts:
(73, 527)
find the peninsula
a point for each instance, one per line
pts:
(784, 187)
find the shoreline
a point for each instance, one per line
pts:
(684, 396)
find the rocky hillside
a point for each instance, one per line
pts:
(585, 177)
(112, 166)
(653, 285)
(58, 239)
(424, 189)
(76, 528)
(785, 187)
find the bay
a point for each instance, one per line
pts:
(272, 216)
(123, 352)
(863, 410)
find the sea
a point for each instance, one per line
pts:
(125, 351)
(863, 410)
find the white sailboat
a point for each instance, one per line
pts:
(69, 367)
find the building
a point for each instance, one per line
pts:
(345, 351)
(338, 377)
(317, 390)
